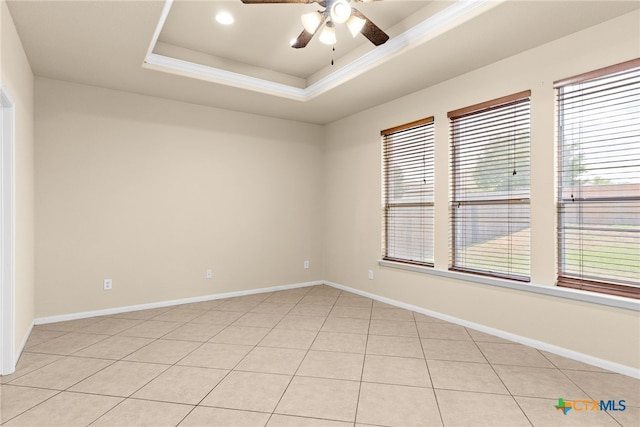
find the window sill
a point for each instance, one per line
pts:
(578, 295)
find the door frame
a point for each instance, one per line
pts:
(7, 233)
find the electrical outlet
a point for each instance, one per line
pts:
(209, 274)
(107, 284)
(370, 274)
(306, 264)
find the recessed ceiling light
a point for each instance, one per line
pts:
(224, 18)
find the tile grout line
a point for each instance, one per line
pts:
(305, 356)
(364, 361)
(576, 384)
(34, 406)
(122, 359)
(73, 355)
(502, 381)
(199, 404)
(435, 395)
(255, 346)
(153, 340)
(156, 339)
(326, 318)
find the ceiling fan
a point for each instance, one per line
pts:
(335, 12)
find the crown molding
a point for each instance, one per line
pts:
(452, 16)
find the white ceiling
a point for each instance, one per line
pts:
(261, 33)
(250, 67)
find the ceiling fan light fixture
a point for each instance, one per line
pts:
(311, 21)
(340, 11)
(355, 25)
(328, 35)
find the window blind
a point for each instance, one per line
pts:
(490, 226)
(599, 180)
(408, 192)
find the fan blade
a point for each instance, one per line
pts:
(276, 1)
(371, 30)
(305, 37)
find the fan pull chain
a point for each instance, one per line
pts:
(333, 49)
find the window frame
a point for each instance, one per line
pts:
(454, 117)
(564, 278)
(387, 205)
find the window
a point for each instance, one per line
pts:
(490, 188)
(408, 192)
(599, 180)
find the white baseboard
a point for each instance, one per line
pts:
(126, 309)
(551, 348)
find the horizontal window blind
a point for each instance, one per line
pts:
(599, 180)
(490, 215)
(408, 192)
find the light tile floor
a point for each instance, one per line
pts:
(313, 356)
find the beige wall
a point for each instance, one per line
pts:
(353, 201)
(150, 193)
(17, 78)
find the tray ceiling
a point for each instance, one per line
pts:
(249, 66)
